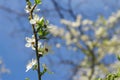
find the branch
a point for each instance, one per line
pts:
(36, 43)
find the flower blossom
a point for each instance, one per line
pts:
(35, 19)
(27, 9)
(30, 64)
(46, 48)
(31, 42)
(75, 24)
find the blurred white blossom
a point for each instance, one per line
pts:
(58, 45)
(87, 22)
(100, 38)
(3, 69)
(73, 24)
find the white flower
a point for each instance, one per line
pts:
(100, 31)
(75, 24)
(74, 32)
(87, 22)
(27, 9)
(46, 49)
(31, 42)
(112, 19)
(84, 37)
(35, 19)
(58, 45)
(37, 10)
(31, 64)
(54, 30)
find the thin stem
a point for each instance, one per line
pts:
(36, 43)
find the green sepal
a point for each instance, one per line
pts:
(44, 69)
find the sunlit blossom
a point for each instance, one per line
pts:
(36, 19)
(31, 42)
(27, 9)
(30, 65)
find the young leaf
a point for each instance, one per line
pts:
(40, 33)
(35, 67)
(27, 79)
(37, 1)
(118, 57)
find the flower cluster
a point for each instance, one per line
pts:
(40, 32)
(94, 38)
(3, 69)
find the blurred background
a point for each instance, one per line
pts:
(66, 60)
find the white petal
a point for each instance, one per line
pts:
(33, 47)
(39, 43)
(37, 10)
(31, 64)
(40, 53)
(27, 11)
(32, 21)
(28, 68)
(28, 39)
(34, 61)
(27, 45)
(36, 18)
(41, 18)
(33, 36)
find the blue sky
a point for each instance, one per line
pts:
(12, 41)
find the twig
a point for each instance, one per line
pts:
(36, 43)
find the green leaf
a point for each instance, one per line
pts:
(27, 79)
(45, 33)
(44, 69)
(99, 79)
(41, 22)
(118, 57)
(35, 67)
(118, 74)
(38, 1)
(42, 37)
(40, 33)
